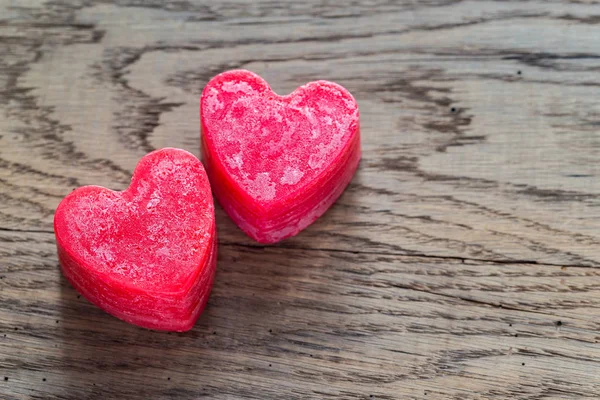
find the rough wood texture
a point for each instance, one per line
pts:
(461, 263)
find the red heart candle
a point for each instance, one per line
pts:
(277, 163)
(146, 255)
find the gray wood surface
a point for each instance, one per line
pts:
(461, 263)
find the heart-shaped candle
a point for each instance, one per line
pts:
(146, 255)
(277, 163)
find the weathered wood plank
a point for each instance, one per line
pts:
(325, 323)
(515, 184)
(460, 263)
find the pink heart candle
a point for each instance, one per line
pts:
(277, 163)
(146, 255)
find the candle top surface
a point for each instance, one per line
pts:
(274, 146)
(153, 235)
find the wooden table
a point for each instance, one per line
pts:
(461, 262)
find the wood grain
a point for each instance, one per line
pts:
(461, 263)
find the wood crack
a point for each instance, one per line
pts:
(410, 254)
(25, 230)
